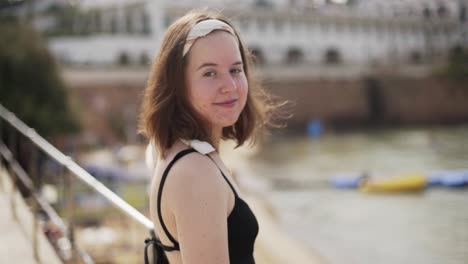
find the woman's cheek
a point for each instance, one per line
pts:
(244, 89)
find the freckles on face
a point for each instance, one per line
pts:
(215, 79)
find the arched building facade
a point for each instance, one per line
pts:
(278, 32)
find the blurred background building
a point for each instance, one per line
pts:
(279, 32)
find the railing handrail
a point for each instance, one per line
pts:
(21, 174)
(75, 169)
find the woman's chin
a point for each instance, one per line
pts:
(226, 121)
(229, 123)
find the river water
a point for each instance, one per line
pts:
(346, 226)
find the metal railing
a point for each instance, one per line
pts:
(19, 148)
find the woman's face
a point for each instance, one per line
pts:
(215, 79)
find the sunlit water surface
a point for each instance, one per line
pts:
(346, 226)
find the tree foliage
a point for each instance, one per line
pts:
(458, 63)
(30, 83)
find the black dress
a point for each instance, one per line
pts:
(242, 225)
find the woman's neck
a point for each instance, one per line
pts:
(216, 138)
(213, 141)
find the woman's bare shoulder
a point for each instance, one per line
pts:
(198, 199)
(192, 179)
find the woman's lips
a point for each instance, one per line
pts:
(229, 103)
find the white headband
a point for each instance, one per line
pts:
(204, 28)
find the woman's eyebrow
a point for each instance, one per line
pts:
(207, 64)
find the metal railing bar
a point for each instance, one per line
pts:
(22, 176)
(48, 209)
(79, 172)
(17, 169)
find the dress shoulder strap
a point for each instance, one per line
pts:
(224, 176)
(161, 185)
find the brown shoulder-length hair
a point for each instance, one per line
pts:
(166, 114)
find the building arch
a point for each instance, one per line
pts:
(258, 55)
(415, 57)
(144, 59)
(123, 58)
(294, 55)
(332, 56)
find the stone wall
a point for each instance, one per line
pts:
(328, 101)
(109, 107)
(394, 101)
(425, 101)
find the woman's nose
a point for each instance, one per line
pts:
(228, 84)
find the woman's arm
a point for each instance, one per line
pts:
(199, 201)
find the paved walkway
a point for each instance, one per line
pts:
(16, 235)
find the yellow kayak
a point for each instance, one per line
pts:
(401, 183)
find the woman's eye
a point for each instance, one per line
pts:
(236, 71)
(209, 74)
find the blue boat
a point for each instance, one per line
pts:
(347, 181)
(448, 178)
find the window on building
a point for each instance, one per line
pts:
(113, 26)
(263, 3)
(294, 56)
(128, 21)
(86, 24)
(427, 12)
(146, 24)
(332, 56)
(144, 59)
(123, 59)
(257, 55)
(442, 11)
(415, 57)
(91, 26)
(462, 14)
(98, 21)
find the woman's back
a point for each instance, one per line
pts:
(200, 208)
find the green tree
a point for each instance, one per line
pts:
(458, 63)
(30, 83)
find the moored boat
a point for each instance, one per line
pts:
(448, 178)
(401, 183)
(347, 180)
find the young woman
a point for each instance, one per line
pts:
(200, 91)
